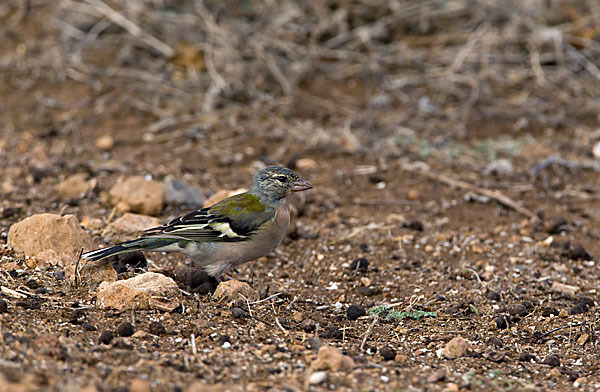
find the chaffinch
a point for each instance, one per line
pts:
(233, 231)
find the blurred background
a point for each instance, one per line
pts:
(382, 77)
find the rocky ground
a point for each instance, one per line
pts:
(449, 243)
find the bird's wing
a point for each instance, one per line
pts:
(234, 219)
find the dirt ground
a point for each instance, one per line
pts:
(428, 167)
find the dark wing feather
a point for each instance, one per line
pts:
(234, 219)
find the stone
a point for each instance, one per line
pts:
(145, 291)
(455, 348)
(332, 358)
(139, 385)
(139, 195)
(317, 378)
(221, 195)
(129, 226)
(233, 290)
(49, 237)
(179, 194)
(306, 164)
(564, 288)
(75, 186)
(105, 142)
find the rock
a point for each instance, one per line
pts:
(3, 306)
(308, 325)
(355, 311)
(596, 150)
(138, 195)
(129, 227)
(49, 237)
(177, 193)
(75, 186)
(455, 348)
(317, 378)
(332, 358)
(222, 194)
(105, 142)
(233, 290)
(564, 288)
(146, 291)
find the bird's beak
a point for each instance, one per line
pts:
(301, 185)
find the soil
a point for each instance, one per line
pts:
(438, 262)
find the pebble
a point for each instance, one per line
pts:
(494, 341)
(332, 358)
(233, 290)
(105, 142)
(317, 378)
(149, 290)
(3, 306)
(75, 186)
(355, 311)
(88, 327)
(558, 225)
(564, 288)
(517, 310)
(106, 337)
(413, 225)
(455, 348)
(129, 226)
(139, 195)
(125, 329)
(501, 167)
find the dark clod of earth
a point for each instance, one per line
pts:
(238, 313)
(494, 296)
(3, 306)
(156, 328)
(106, 337)
(355, 311)
(360, 265)
(502, 321)
(579, 309)
(388, 353)
(128, 261)
(125, 329)
(413, 225)
(551, 360)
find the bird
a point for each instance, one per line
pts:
(220, 237)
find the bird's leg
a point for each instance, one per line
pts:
(236, 270)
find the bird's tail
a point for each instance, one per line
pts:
(129, 246)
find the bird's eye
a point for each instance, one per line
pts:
(281, 179)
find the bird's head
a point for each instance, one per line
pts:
(278, 182)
